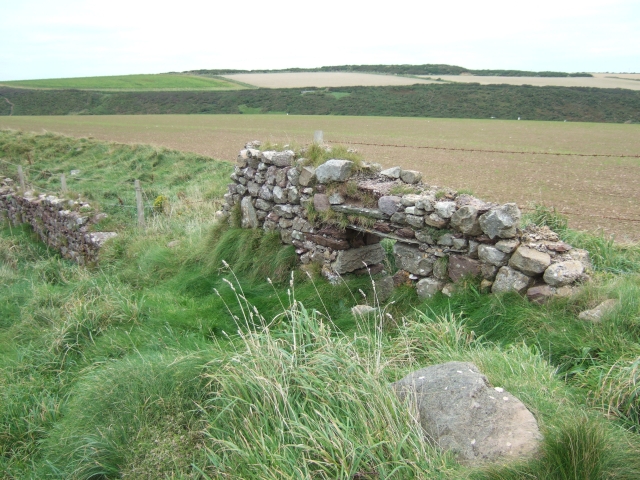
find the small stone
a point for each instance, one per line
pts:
(279, 159)
(459, 243)
(529, 261)
(485, 285)
(425, 237)
(563, 273)
(492, 255)
(435, 220)
(279, 195)
(414, 220)
(249, 217)
(307, 176)
(509, 280)
(507, 246)
(445, 209)
(428, 287)
(410, 176)
(446, 240)
(336, 198)
(449, 289)
(393, 172)
(334, 171)
(321, 202)
(541, 293)
(389, 204)
(501, 222)
(488, 272)
(410, 199)
(596, 314)
(461, 266)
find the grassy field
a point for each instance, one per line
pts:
(598, 193)
(599, 80)
(138, 369)
(321, 79)
(161, 81)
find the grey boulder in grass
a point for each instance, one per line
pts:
(460, 411)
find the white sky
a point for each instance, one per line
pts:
(72, 38)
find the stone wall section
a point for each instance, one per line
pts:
(61, 224)
(441, 236)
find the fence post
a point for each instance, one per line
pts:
(317, 137)
(63, 183)
(139, 204)
(21, 176)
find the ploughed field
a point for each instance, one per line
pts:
(599, 80)
(596, 193)
(322, 79)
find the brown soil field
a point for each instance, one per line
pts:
(599, 80)
(322, 79)
(596, 193)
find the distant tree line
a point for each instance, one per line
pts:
(427, 69)
(446, 100)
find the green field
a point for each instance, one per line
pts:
(161, 81)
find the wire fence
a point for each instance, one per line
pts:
(518, 152)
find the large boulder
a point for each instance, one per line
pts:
(501, 222)
(529, 261)
(356, 258)
(563, 273)
(334, 171)
(460, 411)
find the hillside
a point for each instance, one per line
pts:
(427, 69)
(177, 358)
(433, 100)
(163, 81)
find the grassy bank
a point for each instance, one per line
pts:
(181, 360)
(440, 101)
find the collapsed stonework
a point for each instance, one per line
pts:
(336, 214)
(62, 224)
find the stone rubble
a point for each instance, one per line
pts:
(277, 191)
(65, 225)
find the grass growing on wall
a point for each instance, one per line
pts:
(184, 361)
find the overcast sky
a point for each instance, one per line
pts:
(72, 38)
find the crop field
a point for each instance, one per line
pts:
(599, 80)
(596, 193)
(322, 79)
(163, 81)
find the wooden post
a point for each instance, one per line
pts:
(317, 137)
(21, 176)
(63, 183)
(139, 204)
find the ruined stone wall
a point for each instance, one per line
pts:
(337, 214)
(62, 224)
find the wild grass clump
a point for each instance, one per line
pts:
(316, 154)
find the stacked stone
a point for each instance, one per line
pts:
(441, 236)
(62, 224)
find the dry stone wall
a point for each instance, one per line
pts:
(62, 224)
(337, 214)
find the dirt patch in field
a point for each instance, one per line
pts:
(597, 193)
(599, 80)
(322, 79)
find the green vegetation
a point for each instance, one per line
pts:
(186, 362)
(433, 100)
(427, 69)
(161, 81)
